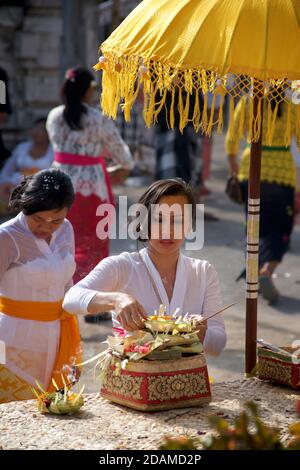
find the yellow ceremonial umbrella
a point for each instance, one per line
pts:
(193, 47)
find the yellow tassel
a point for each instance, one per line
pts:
(160, 105)
(129, 99)
(188, 81)
(204, 114)
(273, 123)
(144, 73)
(220, 115)
(288, 129)
(197, 113)
(150, 111)
(99, 66)
(172, 116)
(221, 90)
(186, 111)
(269, 123)
(211, 118)
(204, 82)
(257, 122)
(231, 119)
(181, 111)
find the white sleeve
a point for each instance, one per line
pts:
(215, 338)
(72, 251)
(9, 252)
(103, 278)
(53, 126)
(114, 143)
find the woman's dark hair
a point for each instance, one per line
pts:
(166, 187)
(78, 80)
(39, 120)
(46, 190)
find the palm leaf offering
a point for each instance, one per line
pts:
(164, 337)
(61, 402)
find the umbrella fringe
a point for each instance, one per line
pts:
(124, 76)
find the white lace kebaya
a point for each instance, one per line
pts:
(97, 134)
(32, 270)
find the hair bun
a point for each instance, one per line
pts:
(16, 195)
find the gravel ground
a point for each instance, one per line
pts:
(102, 425)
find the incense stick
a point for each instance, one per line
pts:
(217, 313)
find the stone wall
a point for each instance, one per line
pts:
(38, 41)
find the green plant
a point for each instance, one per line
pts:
(248, 432)
(179, 443)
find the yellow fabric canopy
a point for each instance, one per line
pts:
(189, 47)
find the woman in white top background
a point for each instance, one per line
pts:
(27, 158)
(36, 269)
(133, 285)
(82, 139)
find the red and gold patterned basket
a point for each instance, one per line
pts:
(279, 367)
(159, 385)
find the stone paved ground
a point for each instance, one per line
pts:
(102, 425)
(224, 247)
(22, 427)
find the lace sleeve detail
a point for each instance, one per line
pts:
(114, 143)
(9, 252)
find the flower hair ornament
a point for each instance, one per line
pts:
(70, 75)
(49, 183)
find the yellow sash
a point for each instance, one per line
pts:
(69, 351)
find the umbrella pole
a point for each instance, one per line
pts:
(252, 267)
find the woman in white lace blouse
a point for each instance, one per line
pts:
(36, 268)
(82, 138)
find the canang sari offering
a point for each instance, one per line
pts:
(160, 367)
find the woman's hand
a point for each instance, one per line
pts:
(200, 326)
(129, 312)
(117, 174)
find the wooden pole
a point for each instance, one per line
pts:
(252, 267)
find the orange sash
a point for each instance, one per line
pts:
(29, 171)
(69, 351)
